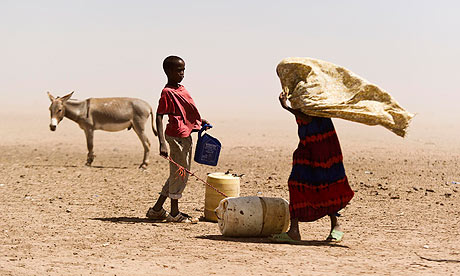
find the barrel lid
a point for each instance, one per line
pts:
(221, 175)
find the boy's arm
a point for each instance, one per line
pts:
(295, 112)
(161, 136)
(203, 122)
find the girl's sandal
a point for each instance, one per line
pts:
(284, 238)
(335, 236)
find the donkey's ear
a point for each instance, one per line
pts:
(67, 97)
(52, 98)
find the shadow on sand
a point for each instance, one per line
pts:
(267, 240)
(73, 166)
(107, 167)
(130, 220)
(133, 220)
(50, 166)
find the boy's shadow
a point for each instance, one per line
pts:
(74, 166)
(129, 220)
(267, 240)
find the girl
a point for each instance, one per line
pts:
(317, 185)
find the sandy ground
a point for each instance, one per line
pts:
(62, 218)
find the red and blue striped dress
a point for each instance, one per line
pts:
(318, 185)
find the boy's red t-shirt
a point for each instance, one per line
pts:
(181, 110)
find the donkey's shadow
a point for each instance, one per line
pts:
(107, 167)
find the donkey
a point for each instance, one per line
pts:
(109, 114)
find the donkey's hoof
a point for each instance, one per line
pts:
(143, 166)
(88, 164)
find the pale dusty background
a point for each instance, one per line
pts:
(62, 218)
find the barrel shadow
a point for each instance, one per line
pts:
(267, 240)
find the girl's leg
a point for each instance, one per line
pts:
(335, 223)
(293, 231)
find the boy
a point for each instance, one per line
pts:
(176, 102)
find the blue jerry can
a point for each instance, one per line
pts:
(207, 148)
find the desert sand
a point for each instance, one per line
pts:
(60, 217)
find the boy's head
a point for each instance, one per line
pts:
(174, 68)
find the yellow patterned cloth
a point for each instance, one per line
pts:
(320, 88)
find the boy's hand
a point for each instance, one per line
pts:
(283, 98)
(163, 150)
(205, 122)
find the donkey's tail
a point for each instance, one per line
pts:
(153, 123)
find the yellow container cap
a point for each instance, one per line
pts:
(223, 176)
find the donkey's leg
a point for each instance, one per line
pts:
(139, 129)
(89, 143)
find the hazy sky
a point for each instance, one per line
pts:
(231, 49)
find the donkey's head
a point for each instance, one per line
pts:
(57, 109)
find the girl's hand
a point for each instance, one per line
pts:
(283, 99)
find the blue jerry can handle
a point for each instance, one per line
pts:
(203, 128)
